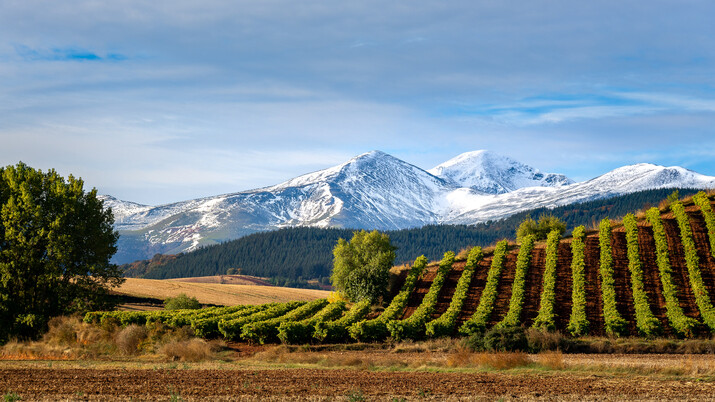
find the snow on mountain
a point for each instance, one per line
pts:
(376, 191)
(371, 191)
(494, 174)
(469, 207)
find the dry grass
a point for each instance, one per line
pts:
(488, 360)
(212, 293)
(192, 350)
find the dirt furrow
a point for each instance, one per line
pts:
(651, 277)
(594, 299)
(622, 279)
(479, 280)
(534, 285)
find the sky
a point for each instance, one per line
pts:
(162, 101)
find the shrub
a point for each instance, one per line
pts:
(182, 302)
(578, 323)
(500, 339)
(413, 327)
(545, 318)
(513, 316)
(129, 339)
(302, 331)
(444, 325)
(541, 229)
(267, 330)
(702, 298)
(614, 322)
(478, 322)
(376, 330)
(681, 323)
(647, 323)
(206, 326)
(702, 200)
(337, 331)
(231, 329)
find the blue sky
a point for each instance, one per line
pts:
(163, 101)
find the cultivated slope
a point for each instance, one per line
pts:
(594, 302)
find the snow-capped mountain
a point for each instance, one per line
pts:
(376, 191)
(491, 173)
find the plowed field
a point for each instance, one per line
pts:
(325, 384)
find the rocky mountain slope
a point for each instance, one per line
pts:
(376, 191)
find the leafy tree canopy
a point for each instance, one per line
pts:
(182, 302)
(361, 266)
(540, 229)
(55, 244)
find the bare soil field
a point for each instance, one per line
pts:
(214, 293)
(280, 373)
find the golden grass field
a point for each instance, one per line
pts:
(214, 293)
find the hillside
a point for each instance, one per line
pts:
(215, 293)
(683, 278)
(296, 254)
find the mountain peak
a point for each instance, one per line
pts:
(489, 172)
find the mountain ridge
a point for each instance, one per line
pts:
(375, 190)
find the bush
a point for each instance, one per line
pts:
(614, 322)
(337, 331)
(182, 302)
(129, 338)
(702, 200)
(647, 323)
(578, 323)
(523, 260)
(478, 322)
(444, 325)
(376, 330)
(541, 229)
(500, 339)
(681, 323)
(545, 318)
(702, 298)
(413, 327)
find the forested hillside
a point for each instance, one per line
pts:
(295, 255)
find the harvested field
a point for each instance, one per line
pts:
(212, 293)
(226, 280)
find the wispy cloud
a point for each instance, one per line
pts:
(64, 54)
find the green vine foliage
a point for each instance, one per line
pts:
(206, 326)
(231, 329)
(414, 326)
(647, 323)
(578, 323)
(615, 324)
(478, 322)
(702, 200)
(681, 323)
(513, 316)
(337, 331)
(298, 332)
(267, 331)
(545, 319)
(702, 298)
(376, 330)
(444, 325)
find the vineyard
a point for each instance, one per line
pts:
(650, 275)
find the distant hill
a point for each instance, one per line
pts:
(292, 256)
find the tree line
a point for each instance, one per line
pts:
(298, 254)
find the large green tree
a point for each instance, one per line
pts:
(55, 244)
(361, 267)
